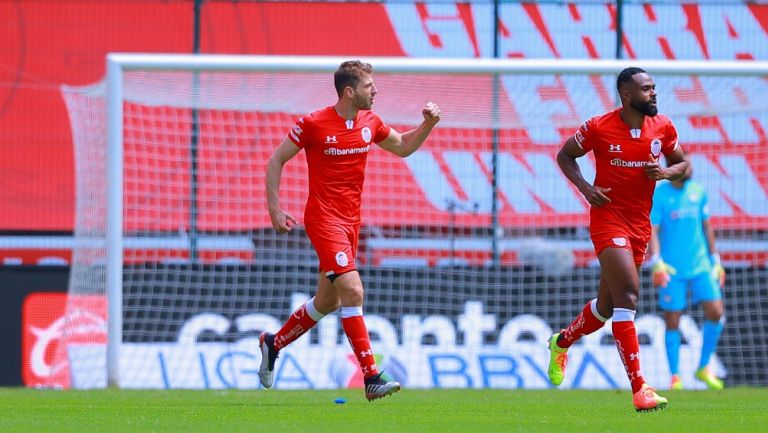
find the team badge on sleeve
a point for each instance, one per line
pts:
(655, 146)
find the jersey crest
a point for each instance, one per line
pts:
(655, 147)
(366, 132)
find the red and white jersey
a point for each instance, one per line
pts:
(621, 154)
(337, 150)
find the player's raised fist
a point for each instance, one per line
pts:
(431, 112)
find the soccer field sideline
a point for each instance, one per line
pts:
(437, 410)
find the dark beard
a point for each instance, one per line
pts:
(645, 108)
(362, 103)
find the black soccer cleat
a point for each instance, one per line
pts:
(378, 387)
(268, 357)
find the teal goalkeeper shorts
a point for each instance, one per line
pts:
(702, 286)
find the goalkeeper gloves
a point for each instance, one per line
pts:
(718, 272)
(660, 272)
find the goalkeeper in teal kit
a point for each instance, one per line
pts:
(684, 260)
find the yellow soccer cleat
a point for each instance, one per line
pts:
(705, 375)
(558, 358)
(676, 383)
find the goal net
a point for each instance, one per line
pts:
(473, 250)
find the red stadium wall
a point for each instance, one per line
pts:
(49, 43)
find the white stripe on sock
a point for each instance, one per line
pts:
(351, 311)
(593, 307)
(623, 315)
(312, 311)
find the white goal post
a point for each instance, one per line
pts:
(493, 117)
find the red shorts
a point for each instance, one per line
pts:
(336, 246)
(618, 238)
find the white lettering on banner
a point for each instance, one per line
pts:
(688, 101)
(463, 30)
(385, 333)
(526, 41)
(590, 95)
(46, 338)
(202, 322)
(258, 322)
(666, 36)
(737, 183)
(521, 327)
(547, 106)
(672, 31)
(704, 107)
(524, 188)
(733, 33)
(518, 359)
(433, 182)
(546, 183)
(415, 328)
(582, 31)
(473, 323)
(738, 94)
(80, 324)
(434, 30)
(475, 183)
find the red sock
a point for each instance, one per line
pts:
(629, 351)
(297, 324)
(584, 324)
(357, 334)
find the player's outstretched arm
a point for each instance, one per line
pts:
(282, 221)
(566, 159)
(405, 144)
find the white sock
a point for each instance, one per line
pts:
(312, 311)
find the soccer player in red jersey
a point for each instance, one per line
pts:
(626, 143)
(336, 140)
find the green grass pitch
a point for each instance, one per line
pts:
(485, 411)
